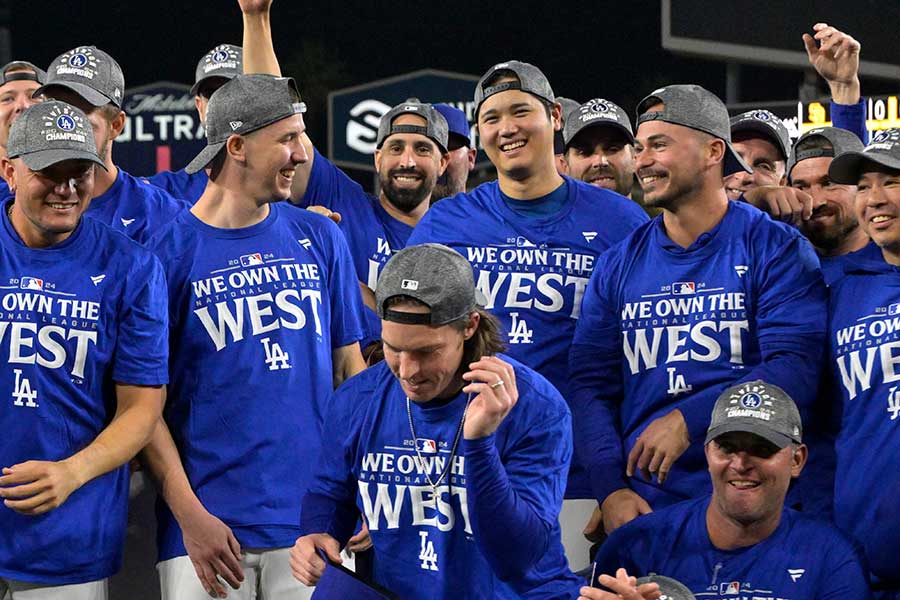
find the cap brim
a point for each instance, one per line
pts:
(734, 162)
(847, 167)
(205, 157)
(196, 87)
(88, 93)
(779, 439)
(765, 131)
(41, 159)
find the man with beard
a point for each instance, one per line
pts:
(460, 154)
(710, 293)
(90, 79)
(217, 67)
(833, 227)
(742, 538)
(600, 146)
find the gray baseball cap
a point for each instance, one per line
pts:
(89, 72)
(695, 107)
(671, 589)
(757, 407)
(433, 274)
(598, 113)
(435, 129)
(37, 74)
(768, 125)
(840, 140)
(568, 106)
(245, 104)
(884, 150)
(51, 132)
(530, 79)
(225, 60)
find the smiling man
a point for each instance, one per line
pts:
(600, 146)
(18, 81)
(87, 351)
(709, 293)
(532, 237)
(741, 540)
(863, 308)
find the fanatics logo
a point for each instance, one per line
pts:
(741, 270)
(31, 283)
(126, 222)
(796, 573)
(589, 236)
(305, 243)
(683, 288)
(97, 279)
(251, 260)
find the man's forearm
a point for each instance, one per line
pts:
(138, 408)
(162, 458)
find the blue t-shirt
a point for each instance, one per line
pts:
(533, 269)
(665, 327)
(372, 234)
(255, 315)
(803, 559)
(864, 352)
(76, 318)
(179, 184)
(444, 547)
(137, 209)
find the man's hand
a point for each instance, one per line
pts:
(255, 7)
(836, 59)
(213, 551)
(622, 506)
(782, 203)
(495, 383)
(593, 531)
(659, 446)
(623, 587)
(37, 486)
(306, 564)
(331, 214)
(360, 542)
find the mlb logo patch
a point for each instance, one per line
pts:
(894, 309)
(31, 283)
(683, 288)
(732, 587)
(409, 284)
(251, 260)
(426, 446)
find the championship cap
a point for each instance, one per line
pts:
(225, 60)
(767, 125)
(89, 72)
(13, 71)
(568, 105)
(671, 589)
(51, 132)
(884, 150)
(597, 113)
(436, 276)
(839, 139)
(529, 79)
(695, 107)
(457, 125)
(245, 104)
(435, 127)
(757, 407)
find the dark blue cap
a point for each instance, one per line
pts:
(456, 120)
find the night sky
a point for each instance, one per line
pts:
(587, 50)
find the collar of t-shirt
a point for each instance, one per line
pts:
(542, 206)
(703, 240)
(12, 235)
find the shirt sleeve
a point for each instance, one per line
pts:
(142, 341)
(844, 577)
(596, 391)
(851, 117)
(328, 186)
(514, 502)
(790, 327)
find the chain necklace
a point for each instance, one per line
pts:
(434, 484)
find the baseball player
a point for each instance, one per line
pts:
(84, 333)
(461, 152)
(18, 81)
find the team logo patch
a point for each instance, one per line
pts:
(426, 446)
(220, 56)
(762, 115)
(683, 288)
(751, 400)
(409, 284)
(600, 106)
(65, 122)
(77, 60)
(251, 260)
(31, 283)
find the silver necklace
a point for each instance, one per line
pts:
(434, 484)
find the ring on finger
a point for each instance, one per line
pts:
(498, 383)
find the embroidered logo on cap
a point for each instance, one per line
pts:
(235, 124)
(409, 284)
(65, 122)
(80, 62)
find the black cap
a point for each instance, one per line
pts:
(767, 125)
(840, 141)
(884, 150)
(695, 107)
